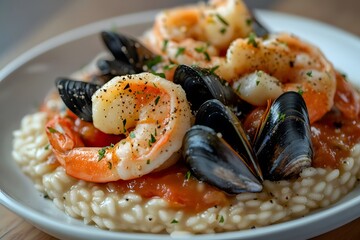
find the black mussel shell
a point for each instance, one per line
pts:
(213, 161)
(77, 96)
(283, 143)
(222, 120)
(259, 29)
(112, 68)
(127, 50)
(202, 84)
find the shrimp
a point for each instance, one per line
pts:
(347, 98)
(195, 33)
(263, 69)
(150, 111)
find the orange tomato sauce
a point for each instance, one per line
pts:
(333, 136)
(178, 188)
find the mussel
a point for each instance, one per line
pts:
(213, 161)
(130, 55)
(283, 143)
(281, 150)
(201, 84)
(77, 96)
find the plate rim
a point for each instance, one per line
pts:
(142, 18)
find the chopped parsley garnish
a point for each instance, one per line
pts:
(153, 62)
(157, 100)
(47, 147)
(221, 219)
(170, 66)
(52, 130)
(180, 51)
(159, 74)
(257, 82)
(223, 30)
(174, 221)
(152, 138)
(101, 153)
(203, 51)
(148, 161)
(187, 175)
(238, 87)
(252, 40)
(222, 20)
(165, 44)
(249, 21)
(213, 69)
(282, 116)
(309, 74)
(300, 91)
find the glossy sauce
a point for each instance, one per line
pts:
(333, 137)
(178, 188)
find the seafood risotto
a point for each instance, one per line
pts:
(211, 124)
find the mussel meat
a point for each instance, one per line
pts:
(77, 96)
(202, 84)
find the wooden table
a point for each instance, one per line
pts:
(343, 14)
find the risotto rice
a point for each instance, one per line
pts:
(102, 205)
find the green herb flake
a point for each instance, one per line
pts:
(223, 30)
(170, 66)
(180, 51)
(309, 73)
(257, 82)
(213, 69)
(203, 51)
(101, 153)
(109, 165)
(282, 116)
(174, 221)
(52, 130)
(162, 75)
(148, 161)
(238, 87)
(132, 135)
(252, 40)
(153, 62)
(152, 138)
(222, 20)
(165, 44)
(249, 21)
(300, 91)
(187, 175)
(47, 147)
(157, 100)
(221, 220)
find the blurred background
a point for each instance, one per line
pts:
(24, 24)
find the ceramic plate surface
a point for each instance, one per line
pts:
(25, 82)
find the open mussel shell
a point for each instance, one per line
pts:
(127, 50)
(112, 68)
(222, 120)
(77, 96)
(213, 161)
(283, 142)
(202, 84)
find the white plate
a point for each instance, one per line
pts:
(25, 81)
